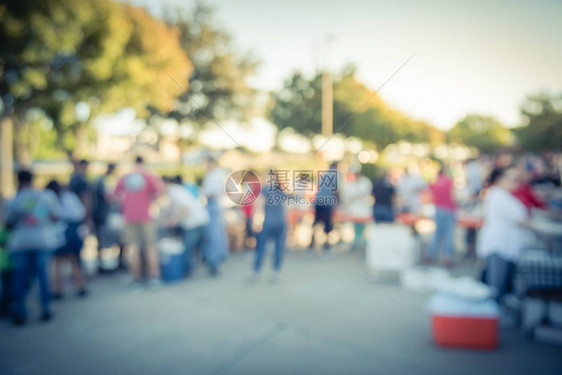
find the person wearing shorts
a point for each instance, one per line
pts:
(141, 235)
(136, 192)
(72, 217)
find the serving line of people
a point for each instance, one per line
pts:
(54, 221)
(44, 226)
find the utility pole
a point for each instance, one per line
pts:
(327, 104)
(6, 158)
(327, 93)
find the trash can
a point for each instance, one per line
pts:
(171, 259)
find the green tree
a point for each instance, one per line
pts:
(543, 123)
(94, 55)
(484, 133)
(298, 105)
(35, 37)
(374, 120)
(219, 87)
(358, 111)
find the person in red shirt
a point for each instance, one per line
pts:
(445, 207)
(136, 191)
(525, 193)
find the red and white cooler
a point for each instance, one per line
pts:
(464, 322)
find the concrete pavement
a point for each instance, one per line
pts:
(324, 316)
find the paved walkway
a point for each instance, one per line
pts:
(324, 316)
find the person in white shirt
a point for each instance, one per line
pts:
(409, 189)
(213, 188)
(501, 239)
(474, 177)
(73, 214)
(191, 216)
(358, 202)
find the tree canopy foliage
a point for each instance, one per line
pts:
(219, 86)
(543, 123)
(484, 133)
(358, 111)
(100, 54)
(68, 61)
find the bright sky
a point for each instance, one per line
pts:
(470, 55)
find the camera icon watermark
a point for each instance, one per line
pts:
(243, 187)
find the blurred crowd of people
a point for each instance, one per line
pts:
(44, 227)
(492, 198)
(48, 226)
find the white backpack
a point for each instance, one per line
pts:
(72, 208)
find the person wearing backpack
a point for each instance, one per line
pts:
(30, 217)
(101, 207)
(72, 217)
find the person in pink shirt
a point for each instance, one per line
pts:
(445, 207)
(136, 192)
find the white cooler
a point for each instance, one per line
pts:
(391, 247)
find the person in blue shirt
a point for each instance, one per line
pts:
(30, 217)
(274, 227)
